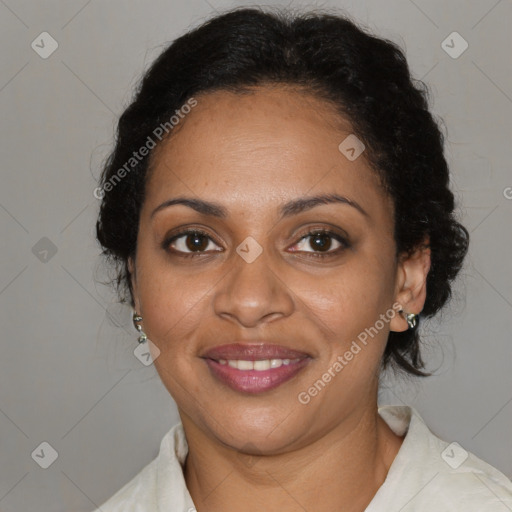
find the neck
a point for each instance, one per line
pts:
(346, 465)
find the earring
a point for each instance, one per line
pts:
(136, 319)
(412, 319)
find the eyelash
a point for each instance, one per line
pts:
(318, 254)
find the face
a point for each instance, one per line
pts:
(248, 269)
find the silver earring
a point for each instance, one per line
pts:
(136, 319)
(412, 319)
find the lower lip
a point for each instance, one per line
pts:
(254, 381)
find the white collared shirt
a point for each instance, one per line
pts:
(427, 475)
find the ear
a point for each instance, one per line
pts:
(133, 280)
(411, 284)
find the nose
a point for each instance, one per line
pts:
(253, 293)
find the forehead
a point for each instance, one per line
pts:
(273, 143)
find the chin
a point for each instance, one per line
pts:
(260, 430)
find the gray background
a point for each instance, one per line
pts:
(68, 375)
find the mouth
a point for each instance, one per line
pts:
(255, 368)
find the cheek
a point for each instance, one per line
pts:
(170, 301)
(348, 315)
(172, 317)
(351, 298)
(171, 310)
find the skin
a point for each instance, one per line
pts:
(251, 154)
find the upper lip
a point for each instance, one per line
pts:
(253, 352)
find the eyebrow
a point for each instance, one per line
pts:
(293, 207)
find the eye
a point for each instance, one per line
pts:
(190, 241)
(321, 243)
(195, 242)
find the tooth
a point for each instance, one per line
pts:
(262, 365)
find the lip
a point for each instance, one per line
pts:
(253, 352)
(254, 381)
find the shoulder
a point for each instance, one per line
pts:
(138, 495)
(476, 488)
(430, 473)
(463, 481)
(142, 493)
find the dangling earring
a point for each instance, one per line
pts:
(136, 320)
(412, 319)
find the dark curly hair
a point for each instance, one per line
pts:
(365, 78)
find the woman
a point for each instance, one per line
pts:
(278, 206)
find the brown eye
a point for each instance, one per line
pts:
(320, 243)
(196, 242)
(190, 241)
